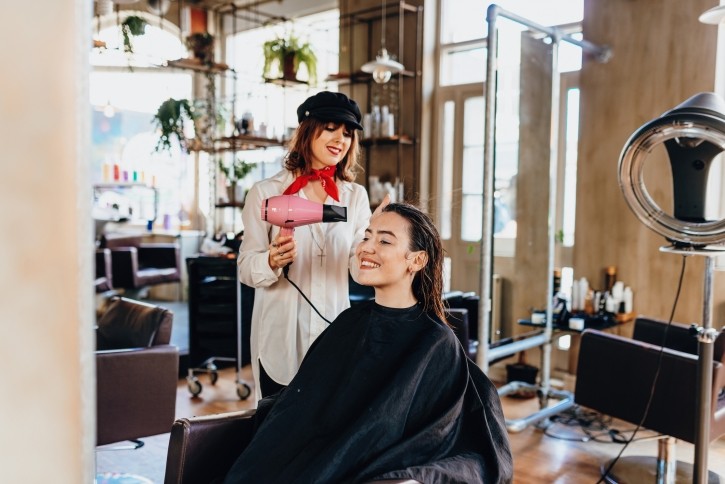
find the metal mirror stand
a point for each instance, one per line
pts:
(543, 340)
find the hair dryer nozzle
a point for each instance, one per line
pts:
(334, 213)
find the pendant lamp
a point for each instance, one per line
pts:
(713, 16)
(383, 67)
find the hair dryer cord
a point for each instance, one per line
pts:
(285, 272)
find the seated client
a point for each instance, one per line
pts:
(386, 392)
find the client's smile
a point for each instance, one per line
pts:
(367, 263)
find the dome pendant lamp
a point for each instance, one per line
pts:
(383, 67)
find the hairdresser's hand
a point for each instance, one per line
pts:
(379, 209)
(282, 251)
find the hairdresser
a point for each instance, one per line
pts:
(320, 166)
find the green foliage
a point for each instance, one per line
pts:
(202, 45)
(236, 171)
(170, 118)
(132, 26)
(277, 49)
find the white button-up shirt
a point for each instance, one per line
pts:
(283, 323)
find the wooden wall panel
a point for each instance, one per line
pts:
(662, 55)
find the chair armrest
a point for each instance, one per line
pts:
(202, 449)
(136, 392)
(159, 255)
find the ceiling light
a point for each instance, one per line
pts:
(383, 67)
(108, 110)
(713, 16)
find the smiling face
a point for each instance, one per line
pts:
(331, 145)
(386, 262)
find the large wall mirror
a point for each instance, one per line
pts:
(529, 171)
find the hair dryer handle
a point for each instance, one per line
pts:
(285, 231)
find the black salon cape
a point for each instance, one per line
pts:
(382, 393)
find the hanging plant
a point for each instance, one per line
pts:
(201, 44)
(170, 118)
(132, 26)
(287, 54)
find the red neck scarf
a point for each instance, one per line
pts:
(326, 176)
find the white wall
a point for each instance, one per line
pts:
(47, 400)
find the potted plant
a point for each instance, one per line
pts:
(170, 118)
(201, 44)
(286, 54)
(132, 26)
(234, 173)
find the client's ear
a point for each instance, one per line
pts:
(418, 261)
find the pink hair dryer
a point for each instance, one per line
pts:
(288, 212)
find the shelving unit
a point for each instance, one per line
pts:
(216, 144)
(360, 32)
(220, 315)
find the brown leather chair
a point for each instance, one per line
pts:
(615, 375)
(136, 371)
(137, 264)
(104, 275)
(203, 449)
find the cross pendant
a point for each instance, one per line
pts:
(321, 255)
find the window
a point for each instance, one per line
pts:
(463, 63)
(124, 100)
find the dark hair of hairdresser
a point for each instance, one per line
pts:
(301, 149)
(428, 282)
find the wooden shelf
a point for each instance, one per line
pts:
(229, 205)
(236, 143)
(196, 65)
(360, 77)
(286, 82)
(392, 140)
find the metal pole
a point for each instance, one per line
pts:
(484, 309)
(551, 221)
(705, 351)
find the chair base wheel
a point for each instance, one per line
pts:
(635, 469)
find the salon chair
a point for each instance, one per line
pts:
(136, 371)
(203, 449)
(137, 264)
(615, 376)
(104, 276)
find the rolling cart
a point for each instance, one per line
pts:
(217, 309)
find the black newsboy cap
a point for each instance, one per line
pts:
(331, 106)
